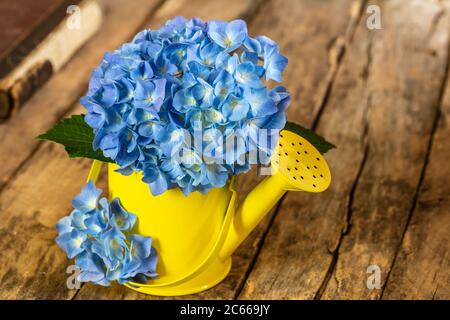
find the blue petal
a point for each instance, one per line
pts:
(216, 31)
(260, 102)
(227, 62)
(252, 45)
(71, 242)
(159, 186)
(87, 200)
(109, 144)
(90, 262)
(95, 277)
(150, 94)
(79, 219)
(173, 140)
(141, 245)
(98, 222)
(228, 35)
(183, 100)
(64, 225)
(224, 84)
(209, 53)
(245, 74)
(236, 30)
(121, 218)
(235, 108)
(143, 72)
(275, 65)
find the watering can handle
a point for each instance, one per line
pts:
(95, 171)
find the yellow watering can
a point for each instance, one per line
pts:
(196, 235)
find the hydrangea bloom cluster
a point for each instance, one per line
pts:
(96, 235)
(147, 99)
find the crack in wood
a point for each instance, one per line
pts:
(347, 227)
(426, 159)
(336, 51)
(365, 146)
(434, 24)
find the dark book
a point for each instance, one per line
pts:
(35, 42)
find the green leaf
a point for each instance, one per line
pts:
(317, 141)
(76, 136)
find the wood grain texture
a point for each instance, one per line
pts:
(421, 270)
(402, 80)
(379, 113)
(313, 36)
(32, 266)
(59, 94)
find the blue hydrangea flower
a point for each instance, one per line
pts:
(147, 99)
(229, 35)
(97, 234)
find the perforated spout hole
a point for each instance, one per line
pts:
(300, 163)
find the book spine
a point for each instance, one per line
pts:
(47, 58)
(24, 88)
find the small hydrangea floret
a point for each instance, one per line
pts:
(97, 234)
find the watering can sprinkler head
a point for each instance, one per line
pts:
(299, 164)
(296, 165)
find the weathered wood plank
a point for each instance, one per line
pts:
(313, 35)
(405, 75)
(408, 59)
(55, 98)
(422, 266)
(31, 265)
(380, 113)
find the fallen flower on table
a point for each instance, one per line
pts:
(97, 235)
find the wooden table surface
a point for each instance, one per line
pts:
(382, 96)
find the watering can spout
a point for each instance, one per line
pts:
(296, 166)
(249, 213)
